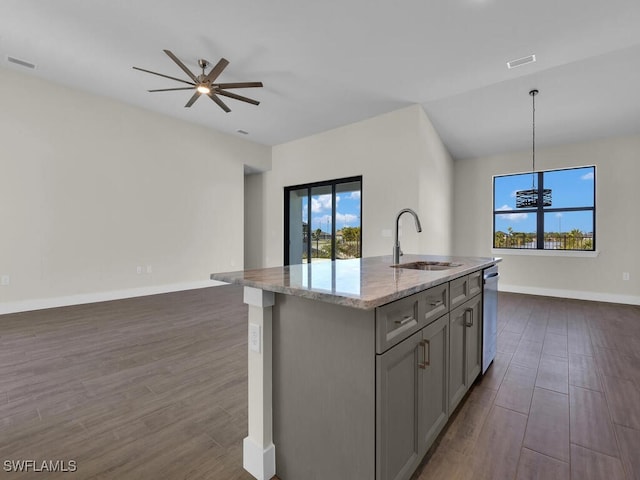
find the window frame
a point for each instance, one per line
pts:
(310, 187)
(540, 210)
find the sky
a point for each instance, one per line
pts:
(570, 188)
(347, 210)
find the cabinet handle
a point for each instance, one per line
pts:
(469, 324)
(437, 303)
(425, 356)
(405, 320)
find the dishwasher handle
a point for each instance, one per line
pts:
(492, 277)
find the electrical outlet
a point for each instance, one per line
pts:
(5, 280)
(625, 275)
(254, 337)
(139, 269)
(149, 269)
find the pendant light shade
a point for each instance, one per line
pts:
(531, 198)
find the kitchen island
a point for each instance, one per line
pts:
(355, 365)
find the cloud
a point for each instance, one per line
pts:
(587, 176)
(321, 203)
(514, 217)
(323, 222)
(346, 218)
(342, 219)
(559, 215)
(354, 195)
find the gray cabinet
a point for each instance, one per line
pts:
(398, 388)
(465, 348)
(433, 398)
(362, 394)
(457, 357)
(473, 342)
(412, 399)
(476, 283)
(436, 302)
(463, 288)
(458, 291)
(397, 320)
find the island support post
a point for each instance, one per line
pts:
(259, 452)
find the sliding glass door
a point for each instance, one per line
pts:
(323, 221)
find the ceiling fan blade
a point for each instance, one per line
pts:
(217, 70)
(181, 65)
(220, 103)
(237, 97)
(165, 76)
(192, 99)
(238, 85)
(170, 89)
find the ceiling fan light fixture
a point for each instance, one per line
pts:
(204, 84)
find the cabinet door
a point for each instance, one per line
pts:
(465, 348)
(398, 386)
(434, 400)
(457, 356)
(473, 312)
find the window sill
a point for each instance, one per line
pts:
(545, 253)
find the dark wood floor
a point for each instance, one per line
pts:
(561, 401)
(155, 388)
(145, 388)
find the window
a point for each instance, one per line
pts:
(323, 221)
(551, 210)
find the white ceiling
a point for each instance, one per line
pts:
(330, 63)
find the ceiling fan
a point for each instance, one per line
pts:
(204, 83)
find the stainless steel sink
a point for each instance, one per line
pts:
(428, 265)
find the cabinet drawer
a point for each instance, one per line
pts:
(463, 288)
(458, 291)
(397, 320)
(475, 283)
(436, 301)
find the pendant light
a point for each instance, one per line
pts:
(529, 198)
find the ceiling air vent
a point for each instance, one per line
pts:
(22, 63)
(521, 61)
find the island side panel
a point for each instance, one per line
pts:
(323, 390)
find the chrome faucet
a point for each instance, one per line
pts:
(396, 246)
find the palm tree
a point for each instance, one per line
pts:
(575, 236)
(509, 236)
(316, 236)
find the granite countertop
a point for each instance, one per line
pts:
(363, 283)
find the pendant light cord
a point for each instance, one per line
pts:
(533, 94)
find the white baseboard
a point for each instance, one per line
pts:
(41, 303)
(575, 294)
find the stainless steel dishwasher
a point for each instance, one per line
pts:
(490, 316)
